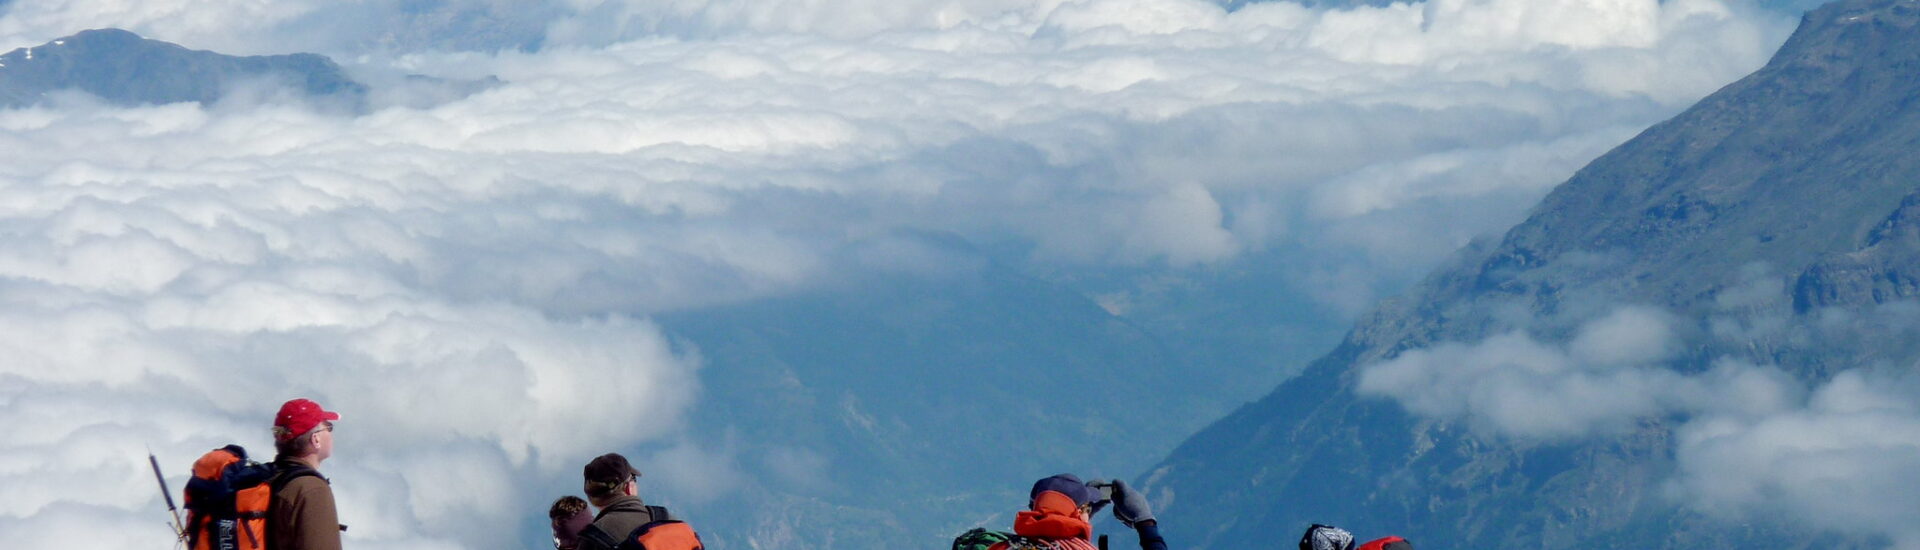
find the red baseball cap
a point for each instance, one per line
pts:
(298, 417)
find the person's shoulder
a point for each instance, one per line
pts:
(625, 506)
(305, 485)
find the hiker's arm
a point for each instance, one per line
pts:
(1131, 508)
(1149, 531)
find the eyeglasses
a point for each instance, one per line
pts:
(328, 425)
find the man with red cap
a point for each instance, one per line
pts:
(301, 515)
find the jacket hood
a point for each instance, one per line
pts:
(1054, 516)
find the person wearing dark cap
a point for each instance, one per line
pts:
(569, 515)
(612, 485)
(1326, 537)
(1059, 513)
(1059, 516)
(301, 514)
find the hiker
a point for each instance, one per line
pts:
(1059, 516)
(612, 485)
(1060, 509)
(569, 515)
(1326, 537)
(301, 515)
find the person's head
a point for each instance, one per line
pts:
(304, 430)
(569, 516)
(1079, 497)
(609, 477)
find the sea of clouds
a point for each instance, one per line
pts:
(466, 279)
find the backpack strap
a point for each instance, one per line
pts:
(658, 513)
(196, 522)
(283, 475)
(247, 526)
(599, 537)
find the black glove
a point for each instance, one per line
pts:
(1129, 506)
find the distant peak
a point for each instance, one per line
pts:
(103, 36)
(1898, 13)
(1847, 35)
(124, 68)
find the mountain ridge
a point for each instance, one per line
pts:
(1785, 173)
(123, 68)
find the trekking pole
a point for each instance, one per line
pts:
(179, 529)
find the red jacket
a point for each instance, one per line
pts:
(1389, 543)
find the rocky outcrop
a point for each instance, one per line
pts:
(1883, 271)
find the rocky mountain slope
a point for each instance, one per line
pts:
(1783, 199)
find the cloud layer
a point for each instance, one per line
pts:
(1612, 373)
(1843, 461)
(1753, 442)
(470, 281)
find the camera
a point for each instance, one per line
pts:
(1104, 496)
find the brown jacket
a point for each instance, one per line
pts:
(302, 516)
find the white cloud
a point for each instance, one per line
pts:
(1136, 17)
(53, 527)
(1628, 336)
(469, 281)
(1515, 385)
(1611, 373)
(1753, 443)
(1845, 461)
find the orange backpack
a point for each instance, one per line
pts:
(227, 501)
(663, 535)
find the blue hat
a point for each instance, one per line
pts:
(1066, 484)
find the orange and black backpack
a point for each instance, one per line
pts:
(227, 501)
(663, 533)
